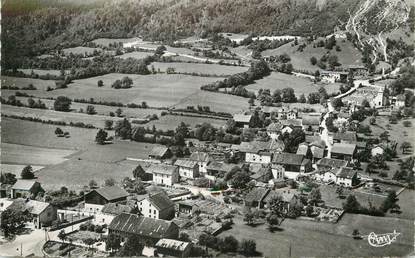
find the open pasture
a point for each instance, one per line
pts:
(107, 41)
(16, 168)
(196, 59)
(41, 85)
(136, 55)
(43, 135)
(281, 80)
(45, 114)
(28, 155)
(212, 69)
(80, 50)
(41, 72)
(348, 55)
(170, 122)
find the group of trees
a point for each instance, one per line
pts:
(228, 244)
(352, 205)
(327, 59)
(63, 104)
(31, 103)
(286, 95)
(125, 83)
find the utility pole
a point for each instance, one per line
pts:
(21, 249)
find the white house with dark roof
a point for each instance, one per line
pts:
(160, 152)
(346, 177)
(157, 206)
(97, 198)
(164, 174)
(345, 151)
(202, 158)
(187, 168)
(42, 213)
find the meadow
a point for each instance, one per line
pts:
(136, 54)
(80, 50)
(170, 122)
(41, 85)
(348, 55)
(299, 84)
(42, 72)
(212, 69)
(107, 41)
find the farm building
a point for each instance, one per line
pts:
(346, 177)
(24, 188)
(328, 163)
(160, 152)
(149, 229)
(292, 163)
(333, 76)
(42, 213)
(157, 206)
(202, 158)
(109, 211)
(242, 120)
(274, 130)
(345, 151)
(164, 174)
(171, 247)
(187, 168)
(311, 123)
(97, 198)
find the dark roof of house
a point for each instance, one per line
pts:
(312, 138)
(160, 200)
(346, 173)
(143, 226)
(219, 166)
(334, 163)
(346, 136)
(187, 163)
(200, 156)
(31, 206)
(288, 158)
(344, 148)
(158, 151)
(287, 196)
(256, 194)
(292, 122)
(111, 192)
(311, 120)
(302, 149)
(24, 184)
(257, 146)
(317, 152)
(116, 208)
(264, 171)
(164, 169)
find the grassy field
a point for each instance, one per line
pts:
(106, 41)
(46, 114)
(100, 109)
(201, 59)
(23, 154)
(80, 50)
(42, 72)
(314, 239)
(41, 85)
(98, 162)
(136, 54)
(170, 122)
(299, 84)
(218, 102)
(348, 55)
(43, 135)
(16, 169)
(213, 69)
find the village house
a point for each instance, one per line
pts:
(242, 120)
(345, 137)
(207, 206)
(292, 123)
(345, 151)
(202, 158)
(358, 70)
(218, 169)
(304, 149)
(274, 130)
(347, 177)
(149, 229)
(187, 168)
(97, 198)
(293, 164)
(259, 151)
(328, 163)
(157, 206)
(326, 175)
(318, 150)
(311, 123)
(110, 211)
(171, 247)
(288, 197)
(278, 173)
(397, 101)
(286, 113)
(333, 76)
(24, 188)
(379, 99)
(160, 152)
(380, 148)
(255, 198)
(164, 174)
(41, 213)
(263, 175)
(270, 112)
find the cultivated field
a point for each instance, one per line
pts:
(43, 135)
(348, 55)
(136, 54)
(80, 50)
(98, 162)
(41, 85)
(299, 84)
(23, 154)
(42, 72)
(170, 122)
(213, 69)
(309, 238)
(45, 114)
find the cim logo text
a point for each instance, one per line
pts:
(382, 239)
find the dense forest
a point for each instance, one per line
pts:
(33, 29)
